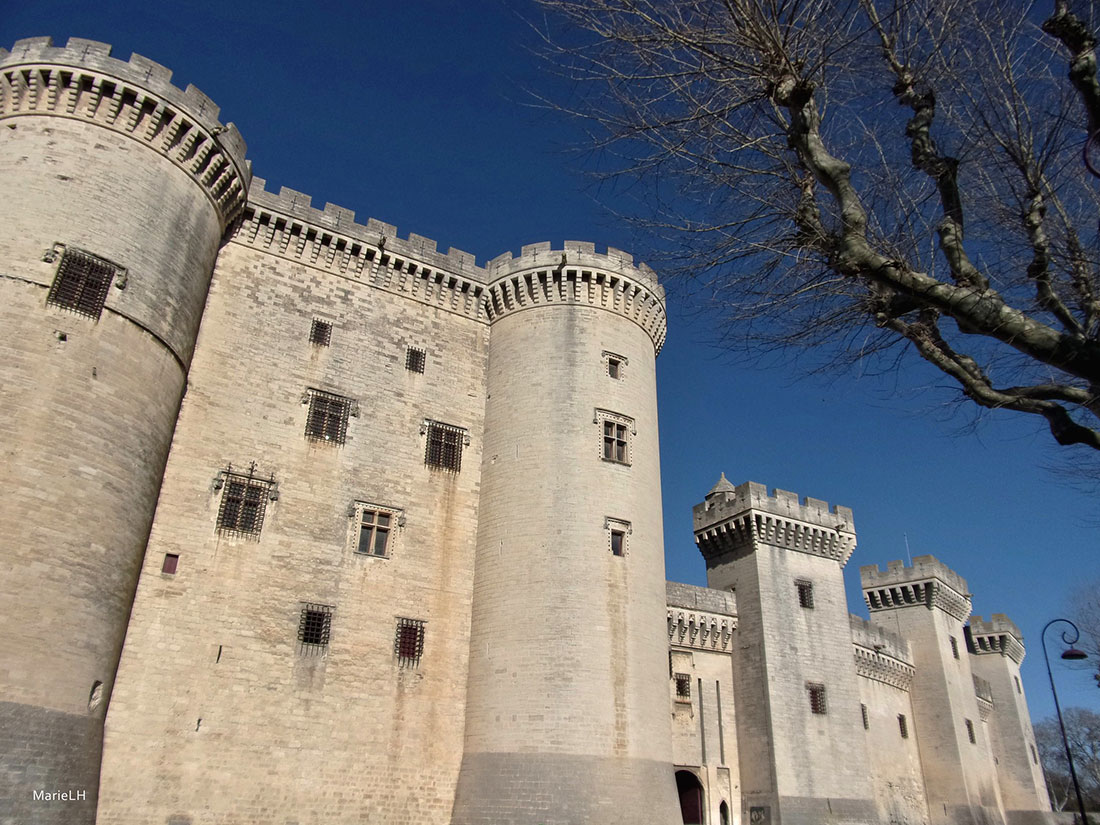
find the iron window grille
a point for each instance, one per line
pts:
(683, 687)
(327, 419)
(82, 281)
(903, 726)
(805, 594)
(970, 732)
(863, 713)
(817, 698)
(314, 627)
(320, 333)
(408, 642)
(244, 501)
(444, 446)
(415, 359)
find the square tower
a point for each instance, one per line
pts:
(928, 604)
(801, 750)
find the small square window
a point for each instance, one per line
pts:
(970, 732)
(683, 687)
(327, 419)
(863, 713)
(314, 626)
(903, 726)
(320, 333)
(243, 503)
(617, 533)
(805, 594)
(408, 644)
(171, 561)
(374, 530)
(817, 698)
(415, 359)
(954, 647)
(615, 365)
(82, 282)
(444, 446)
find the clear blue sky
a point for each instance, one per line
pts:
(418, 114)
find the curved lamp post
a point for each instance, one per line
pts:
(1069, 653)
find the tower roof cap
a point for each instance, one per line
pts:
(723, 486)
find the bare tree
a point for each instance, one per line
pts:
(1083, 735)
(874, 173)
(1085, 609)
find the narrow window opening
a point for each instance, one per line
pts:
(171, 560)
(863, 713)
(320, 333)
(415, 359)
(805, 594)
(1018, 688)
(954, 647)
(903, 726)
(683, 687)
(408, 644)
(314, 627)
(817, 698)
(970, 732)
(618, 542)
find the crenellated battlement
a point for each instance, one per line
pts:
(136, 98)
(880, 654)
(577, 274)
(736, 519)
(929, 583)
(998, 635)
(287, 225)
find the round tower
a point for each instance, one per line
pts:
(568, 651)
(116, 190)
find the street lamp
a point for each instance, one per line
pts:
(1070, 653)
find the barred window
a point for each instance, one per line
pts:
(374, 532)
(408, 643)
(683, 687)
(863, 713)
(81, 282)
(244, 501)
(327, 419)
(314, 626)
(970, 732)
(805, 594)
(903, 726)
(320, 333)
(817, 697)
(444, 446)
(415, 359)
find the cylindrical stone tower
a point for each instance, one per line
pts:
(116, 190)
(569, 650)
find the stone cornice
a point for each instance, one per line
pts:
(134, 98)
(882, 667)
(929, 593)
(700, 630)
(542, 277)
(744, 533)
(331, 241)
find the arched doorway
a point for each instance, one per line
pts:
(724, 813)
(691, 797)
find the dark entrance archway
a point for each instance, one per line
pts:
(691, 797)
(724, 813)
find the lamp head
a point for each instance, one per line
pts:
(1074, 653)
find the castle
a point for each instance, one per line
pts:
(305, 523)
